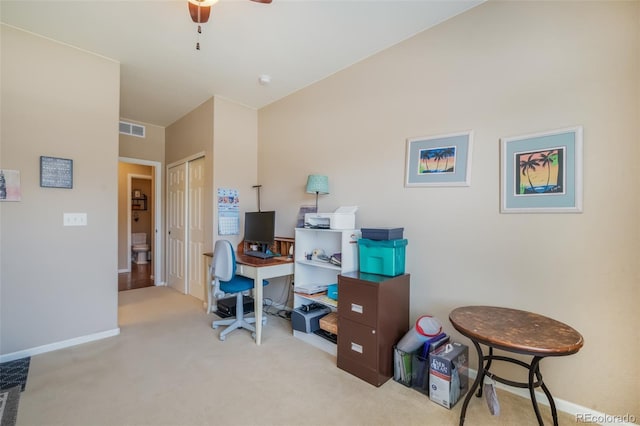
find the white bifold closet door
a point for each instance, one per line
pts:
(185, 221)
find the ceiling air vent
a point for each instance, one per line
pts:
(132, 129)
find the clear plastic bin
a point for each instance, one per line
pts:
(402, 370)
(420, 373)
(411, 369)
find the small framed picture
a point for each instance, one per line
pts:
(10, 189)
(542, 172)
(439, 160)
(137, 193)
(56, 172)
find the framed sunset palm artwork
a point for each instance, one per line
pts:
(542, 172)
(443, 160)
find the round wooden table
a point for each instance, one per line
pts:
(518, 332)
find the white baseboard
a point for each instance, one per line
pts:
(59, 345)
(317, 341)
(581, 414)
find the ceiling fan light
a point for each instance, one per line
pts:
(203, 3)
(199, 11)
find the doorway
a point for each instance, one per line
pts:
(146, 177)
(139, 276)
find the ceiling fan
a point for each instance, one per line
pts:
(201, 9)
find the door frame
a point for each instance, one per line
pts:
(158, 262)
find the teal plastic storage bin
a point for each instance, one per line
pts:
(332, 291)
(385, 257)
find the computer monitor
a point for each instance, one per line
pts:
(259, 228)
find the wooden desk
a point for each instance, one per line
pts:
(519, 332)
(261, 269)
(258, 269)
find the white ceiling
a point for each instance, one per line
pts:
(163, 76)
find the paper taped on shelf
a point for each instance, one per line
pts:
(342, 218)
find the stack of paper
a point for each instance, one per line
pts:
(309, 288)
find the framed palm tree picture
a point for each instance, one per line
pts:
(542, 172)
(443, 160)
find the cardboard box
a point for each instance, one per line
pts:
(329, 323)
(448, 374)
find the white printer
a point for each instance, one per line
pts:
(342, 218)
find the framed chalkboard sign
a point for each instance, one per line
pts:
(56, 172)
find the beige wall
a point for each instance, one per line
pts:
(226, 133)
(501, 69)
(235, 161)
(236, 167)
(151, 147)
(57, 283)
(190, 134)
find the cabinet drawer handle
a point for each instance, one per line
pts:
(356, 347)
(356, 308)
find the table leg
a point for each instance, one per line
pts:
(207, 284)
(485, 369)
(257, 304)
(209, 299)
(534, 370)
(476, 383)
(554, 412)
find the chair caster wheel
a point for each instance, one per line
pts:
(253, 336)
(214, 326)
(222, 338)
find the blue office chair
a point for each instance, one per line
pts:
(225, 281)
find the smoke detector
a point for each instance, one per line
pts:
(264, 79)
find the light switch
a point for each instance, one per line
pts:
(74, 219)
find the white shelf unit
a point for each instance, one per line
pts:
(311, 273)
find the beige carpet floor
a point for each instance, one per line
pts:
(167, 367)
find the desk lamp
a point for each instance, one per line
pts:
(318, 184)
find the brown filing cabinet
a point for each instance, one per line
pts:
(373, 314)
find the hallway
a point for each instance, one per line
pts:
(139, 277)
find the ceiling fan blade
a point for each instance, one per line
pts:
(262, 1)
(204, 13)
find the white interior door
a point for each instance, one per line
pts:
(195, 225)
(176, 215)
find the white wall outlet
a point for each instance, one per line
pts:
(74, 219)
